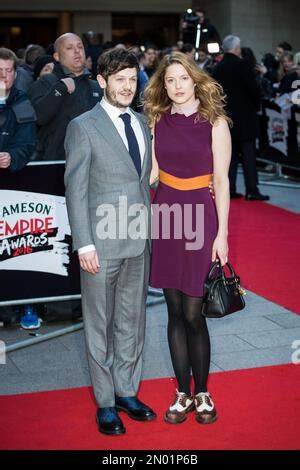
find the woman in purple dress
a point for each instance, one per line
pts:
(191, 148)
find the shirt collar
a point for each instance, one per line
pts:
(68, 73)
(113, 111)
(188, 111)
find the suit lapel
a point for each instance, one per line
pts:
(106, 128)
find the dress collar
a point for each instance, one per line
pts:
(188, 111)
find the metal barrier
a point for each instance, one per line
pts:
(279, 135)
(158, 299)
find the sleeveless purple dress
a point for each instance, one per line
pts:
(183, 149)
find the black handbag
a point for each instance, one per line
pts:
(222, 295)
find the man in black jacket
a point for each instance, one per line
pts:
(62, 95)
(209, 33)
(17, 117)
(243, 103)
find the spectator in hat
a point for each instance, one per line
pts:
(43, 65)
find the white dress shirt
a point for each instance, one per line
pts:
(114, 114)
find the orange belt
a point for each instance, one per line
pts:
(185, 184)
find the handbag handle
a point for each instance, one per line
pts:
(218, 265)
(232, 271)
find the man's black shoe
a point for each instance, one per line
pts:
(109, 421)
(135, 408)
(256, 197)
(234, 195)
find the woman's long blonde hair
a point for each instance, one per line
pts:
(207, 90)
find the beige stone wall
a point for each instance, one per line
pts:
(98, 22)
(252, 21)
(260, 23)
(286, 23)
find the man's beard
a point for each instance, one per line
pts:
(111, 97)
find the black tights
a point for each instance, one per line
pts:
(188, 340)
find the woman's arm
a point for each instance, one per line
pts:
(221, 147)
(154, 175)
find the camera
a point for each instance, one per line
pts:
(189, 26)
(190, 18)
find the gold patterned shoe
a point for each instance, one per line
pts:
(205, 408)
(178, 410)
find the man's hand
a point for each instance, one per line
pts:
(2, 88)
(5, 159)
(89, 262)
(261, 68)
(70, 84)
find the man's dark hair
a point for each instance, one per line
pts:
(249, 57)
(150, 46)
(198, 9)
(32, 52)
(7, 54)
(187, 48)
(115, 60)
(203, 48)
(108, 45)
(50, 49)
(285, 46)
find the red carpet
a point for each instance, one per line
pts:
(258, 409)
(264, 244)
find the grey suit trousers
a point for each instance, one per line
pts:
(114, 313)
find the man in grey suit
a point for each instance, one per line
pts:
(108, 163)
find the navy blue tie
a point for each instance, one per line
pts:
(133, 146)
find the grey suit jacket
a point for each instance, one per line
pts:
(101, 180)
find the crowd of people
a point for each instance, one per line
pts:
(42, 74)
(56, 106)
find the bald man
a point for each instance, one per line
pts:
(62, 95)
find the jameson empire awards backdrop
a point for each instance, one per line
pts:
(279, 133)
(36, 259)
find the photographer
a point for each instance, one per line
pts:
(189, 28)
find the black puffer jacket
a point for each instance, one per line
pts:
(55, 108)
(17, 129)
